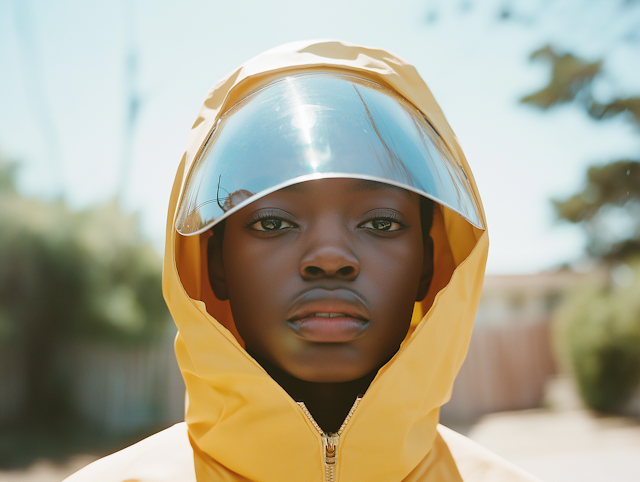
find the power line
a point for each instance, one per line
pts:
(36, 92)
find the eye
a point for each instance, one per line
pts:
(271, 225)
(383, 225)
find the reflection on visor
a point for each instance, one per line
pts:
(317, 126)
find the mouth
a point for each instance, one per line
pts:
(324, 316)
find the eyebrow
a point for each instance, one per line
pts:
(359, 186)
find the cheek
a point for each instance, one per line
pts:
(250, 262)
(394, 279)
(397, 266)
(256, 275)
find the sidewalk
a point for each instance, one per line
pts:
(45, 471)
(566, 442)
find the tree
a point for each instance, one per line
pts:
(608, 207)
(597, 327)
(67, 275)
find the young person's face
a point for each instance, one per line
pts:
(322, 276)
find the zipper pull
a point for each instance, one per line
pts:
(330, 448)
(330, 440)
(330, 445)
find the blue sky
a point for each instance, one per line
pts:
(63, 106)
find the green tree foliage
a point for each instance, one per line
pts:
(608, 207)
(598, 326)
(67, 275)
(90, 273)
(572, 80)
(570, 76)
(608, 210)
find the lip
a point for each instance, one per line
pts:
(328, 316)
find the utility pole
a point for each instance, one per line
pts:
(34, 82)
(133, 100)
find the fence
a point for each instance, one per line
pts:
(507, 368)
(126, 389)
(13, 383)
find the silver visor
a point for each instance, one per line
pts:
(316, 126)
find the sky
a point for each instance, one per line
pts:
(63, 101)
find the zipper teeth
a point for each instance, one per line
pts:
(329, 469)
(349, 415)
(307, 413)
(329, 474)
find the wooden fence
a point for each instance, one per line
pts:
(507, 368)
(125, 389)
(13, 382)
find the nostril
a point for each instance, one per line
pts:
(329, 263)
(313, 270)
(346, 271)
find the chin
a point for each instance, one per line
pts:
(328, 377)
(330, 370)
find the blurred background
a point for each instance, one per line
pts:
(96, 100)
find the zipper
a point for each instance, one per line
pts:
(330, 440)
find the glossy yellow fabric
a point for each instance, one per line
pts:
(244, 426)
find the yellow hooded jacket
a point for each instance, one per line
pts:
(240, 424)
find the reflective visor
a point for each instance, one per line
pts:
(316, 126)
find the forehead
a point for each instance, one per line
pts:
(349, 185)
(335, 195)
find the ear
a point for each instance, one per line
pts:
(217, 277)
(427, 269)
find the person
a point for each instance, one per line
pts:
(324, 261)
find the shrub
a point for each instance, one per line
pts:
(88, 274)
(68, 275)
(597, 335)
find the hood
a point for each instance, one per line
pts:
(242, 424)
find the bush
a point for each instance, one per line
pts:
(69, 275)
(598, 338)
(88, 274)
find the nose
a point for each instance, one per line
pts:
(330, 258)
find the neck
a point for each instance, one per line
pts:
(329, 403)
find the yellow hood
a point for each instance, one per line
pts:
(242, 425)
